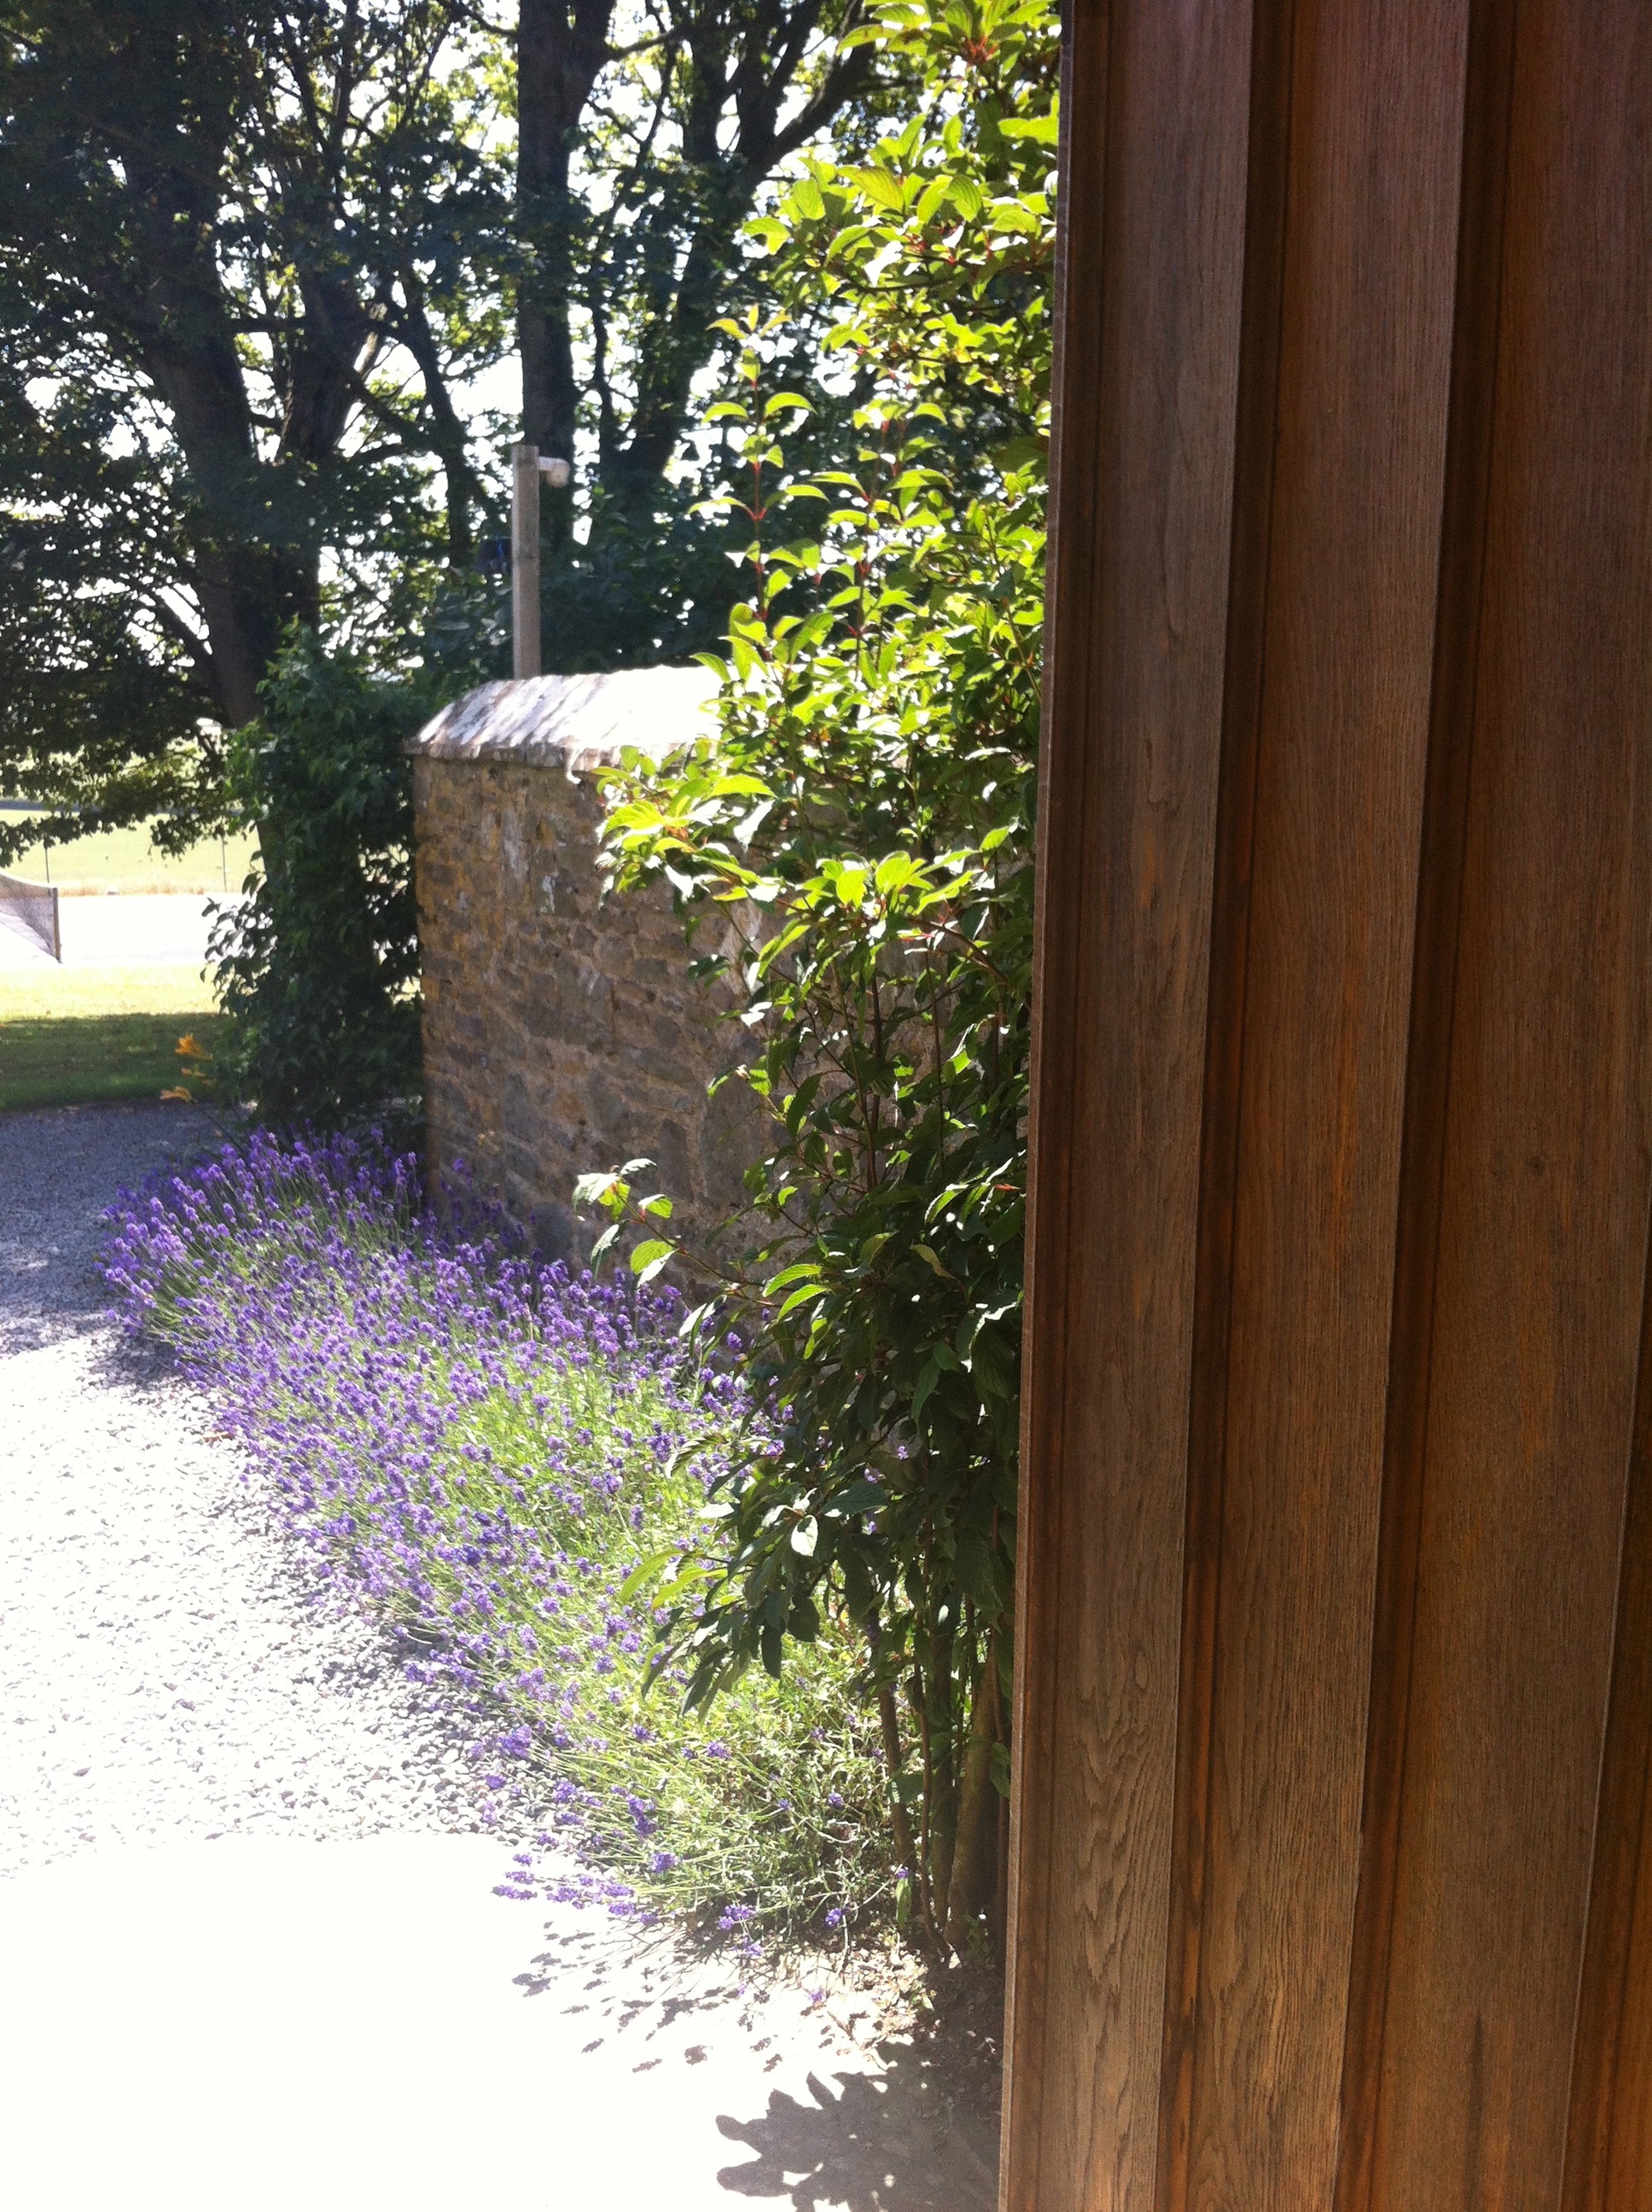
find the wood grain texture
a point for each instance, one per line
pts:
(1547, 1165)
(1153, 213)
(1363, 387)
(1488, 76)
(1332, 1833)
(1609, 2135)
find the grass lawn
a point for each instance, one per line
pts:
(74, 1037)
(126, 860)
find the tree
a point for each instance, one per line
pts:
(675, 132)
(644, 144)
(862, 837)
(243, 259)
(319, 967)
(249, 255)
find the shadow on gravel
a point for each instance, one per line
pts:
(885, 2142)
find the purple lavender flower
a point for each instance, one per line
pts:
(467, 1439)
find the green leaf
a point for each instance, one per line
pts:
(645, 1574)
(933, 196)
(858, 1592)
(976, 1571)
(860, 1497)
(881, 189)
(929, 1376)
(808, 199)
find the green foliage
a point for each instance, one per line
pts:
(783, 1816)
(248, 256)
(320, 965)
(857, 852)
(496, 1480)
(644, 139)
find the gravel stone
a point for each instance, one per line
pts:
(166, 1671)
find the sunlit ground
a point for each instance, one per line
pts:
(105, 1022)
(126, 860)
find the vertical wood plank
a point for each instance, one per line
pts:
(1609, 2137)
(1358, 462)
(1488, 76)
(1333, 1876)
(1256, 430)
(1547, 1167)
(1153, 212)
(1629, 2168)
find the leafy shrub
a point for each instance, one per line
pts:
(866, 826)
(320, 965)
(484, 1450)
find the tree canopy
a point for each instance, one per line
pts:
(219, 225)
(254, 257)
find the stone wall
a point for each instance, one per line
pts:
(562, 1031)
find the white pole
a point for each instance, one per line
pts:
(525, 560)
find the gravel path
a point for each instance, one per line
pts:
(231, 2026)
(162, 1673)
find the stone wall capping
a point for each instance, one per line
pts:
(576, 723)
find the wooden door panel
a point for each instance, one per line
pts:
(1292, 1444)
(1332, 1876)
(1139, 582)
(1609, 2139)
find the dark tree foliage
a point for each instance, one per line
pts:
(244, 257)
(645, 143)
(319, 967)
(250, 254)
(252, 251)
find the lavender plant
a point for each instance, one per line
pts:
(493, 1453)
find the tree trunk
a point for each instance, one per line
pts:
(237, 582)
(559, 55)
(974, 1854)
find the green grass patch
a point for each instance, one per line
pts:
(85, 1058)
(127, 860)
(42, 992)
